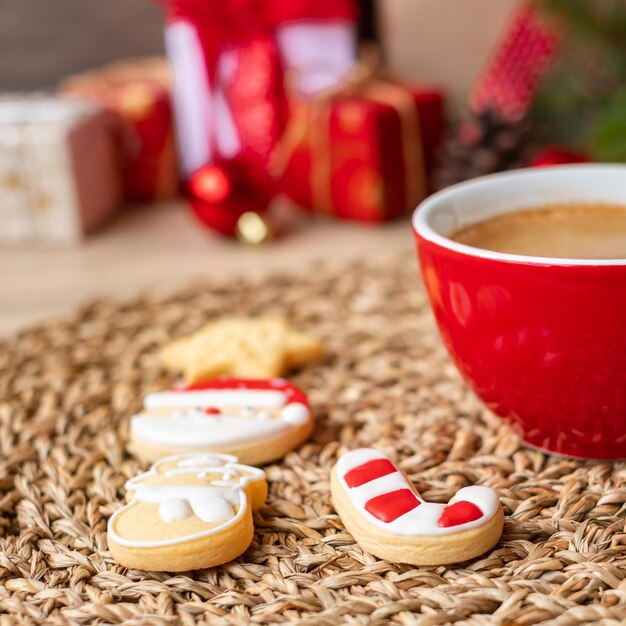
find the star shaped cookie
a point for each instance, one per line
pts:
(263, 347)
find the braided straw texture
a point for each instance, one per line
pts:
(67, 391)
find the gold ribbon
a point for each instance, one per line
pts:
(310, 124)
(401, 100)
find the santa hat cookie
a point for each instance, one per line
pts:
(256, 420)
(386, 516)
(187, 512)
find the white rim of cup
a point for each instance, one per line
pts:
(432, 204)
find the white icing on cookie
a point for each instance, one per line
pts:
(201, 465)
(225, 483)
(205, 459)
(423, 518)
(198, 430)
(220, 415)
(223, 504)
(134, 543)
(209, 503)
(485, 498)
(219, 398)
(175, 509)
(354, 458)
(295, 413)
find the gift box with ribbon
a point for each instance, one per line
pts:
(364, 152)
(137, 93)
(59, 178)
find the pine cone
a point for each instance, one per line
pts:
(485, 143)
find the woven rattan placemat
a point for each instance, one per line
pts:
(67, 392)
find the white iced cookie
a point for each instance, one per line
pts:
(256, 420)
(187, 512)
(381, 509)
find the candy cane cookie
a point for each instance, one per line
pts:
(256, 420)
(381, 509)
(187, 512)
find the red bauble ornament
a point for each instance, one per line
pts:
(210, 184)
(558, 156)
(220, 193)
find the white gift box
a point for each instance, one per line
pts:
(59, 175)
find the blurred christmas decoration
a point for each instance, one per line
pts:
(364, 152)
(59, 179)
(510, 81)
(485, 143)
(556, 79)
(137, 94)
(221, 193)
(581, 102)
(442, 42)
(229, 59)
(495, 135)
(557, 156)
(254, 228)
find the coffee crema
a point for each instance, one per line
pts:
(566, 231)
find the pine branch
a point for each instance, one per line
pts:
(603, 20)
(607, 137)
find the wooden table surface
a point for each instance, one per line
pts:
(162, 247)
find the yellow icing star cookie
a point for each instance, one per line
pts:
(263, 347)
(187, 512)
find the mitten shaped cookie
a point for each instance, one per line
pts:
(187, 512)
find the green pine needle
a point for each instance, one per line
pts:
(581, 101)
(607, 137)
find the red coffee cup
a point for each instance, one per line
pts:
(542, 341)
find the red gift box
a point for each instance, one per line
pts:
(137, 93)
(365, 156)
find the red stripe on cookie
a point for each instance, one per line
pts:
(389, 506)
(458, 513)
(292, 393)
(368, 471)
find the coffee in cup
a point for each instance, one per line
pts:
(569, 231)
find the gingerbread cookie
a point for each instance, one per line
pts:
(187, 512)
(263, 347)
(256, 420)
(381, 509)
